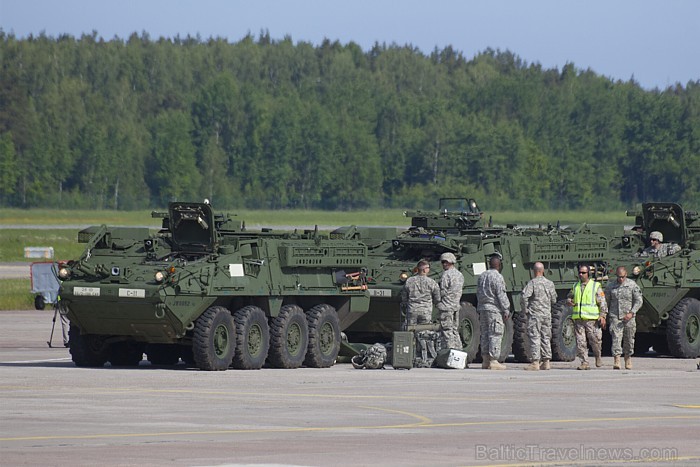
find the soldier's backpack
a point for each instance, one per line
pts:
(372, 358)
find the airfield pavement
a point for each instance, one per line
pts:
(52, 413)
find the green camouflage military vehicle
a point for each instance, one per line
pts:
(458, 227)
(669, 320)
(208, 291)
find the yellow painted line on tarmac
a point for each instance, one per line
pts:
(423, 423)
(687, 406)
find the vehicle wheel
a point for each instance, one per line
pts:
(125, 353)
(163, 354)
(507, 340)
(252, 338)
(469, 330)
(214, 339)
(39, 302)
(521, 340)
(289, 338)
(642, 342)
(324, 336)
(563, 334)
(683, 329)
(87, 350)
(660, 344)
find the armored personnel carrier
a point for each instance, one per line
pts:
(670, 316)
(669, 320)
(208, 291)
(458, 227)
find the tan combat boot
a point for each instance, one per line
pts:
(628, 362)
(583, 366)
(545, 365)
(616, 363)
(485, 364)
(534, 366)
(496, 365)
(598, 361)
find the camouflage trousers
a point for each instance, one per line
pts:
(539, 330)
(418, 317)
(492, 328)
(587, 332)
(449, 330)
(622, 332)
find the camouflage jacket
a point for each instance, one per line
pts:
(623, 298)
(419, 293)
(538, 296)
(451, 284)
(665, 249)
(491, 292)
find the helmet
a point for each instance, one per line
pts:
(656, 235)
(449, 257)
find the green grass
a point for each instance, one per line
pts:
(64, 242)
(15, 294)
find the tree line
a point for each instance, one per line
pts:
(268, 124)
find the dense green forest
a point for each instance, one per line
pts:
(262, 123)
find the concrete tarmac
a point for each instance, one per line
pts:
(52, 413)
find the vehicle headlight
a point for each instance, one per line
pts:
(403, 277)
(63, 273)
(159, 276)
(636, 270)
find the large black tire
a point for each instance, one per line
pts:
(252, 338)
(642, 342)
(163, 354)
(660, 344)
(39, 302)
(125, 353)
(507, 341)
(469, 330)
(214, 339)
(289, 338)
(87, 350)
(606, 341)
(683, 329)
(563, 333)
(521, 340)
(324, 336)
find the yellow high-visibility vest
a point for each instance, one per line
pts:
(585, 306)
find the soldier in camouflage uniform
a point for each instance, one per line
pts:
(451, 284)
(494, 308)
(418, 296)
(537, 299)
(589, 311)
(657, 247)
(624, 300)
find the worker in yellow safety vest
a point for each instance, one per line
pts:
(589, 312)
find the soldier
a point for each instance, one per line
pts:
(494, 308)
(418, 296)
(537, 299)
(588, 300)
(451, 284)
(657, 247)
(624, 300)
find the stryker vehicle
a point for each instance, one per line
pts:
(208, 291)
(458, 227)
(671, 286)
(669, 320)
